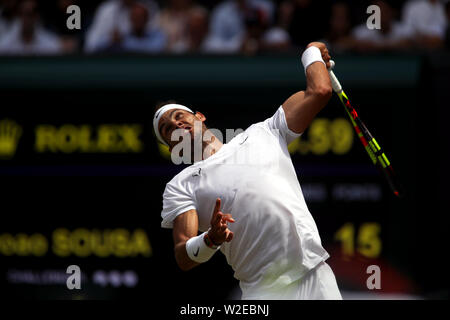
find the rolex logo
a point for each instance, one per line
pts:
(10, 133)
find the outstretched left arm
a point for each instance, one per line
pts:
(301, 108)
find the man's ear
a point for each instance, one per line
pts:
(200, 116)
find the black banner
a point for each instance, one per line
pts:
(82, 178)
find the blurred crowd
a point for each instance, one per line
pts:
(32, 27)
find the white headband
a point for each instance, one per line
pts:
(160, 112)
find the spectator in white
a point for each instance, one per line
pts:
(140, 39)
(112, 19)
(427, 21)
(227, 25)
(277, 38)
(27, 36)
(7, 15)
(174, 20)
(392, 36)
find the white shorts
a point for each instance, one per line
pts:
(318, 284)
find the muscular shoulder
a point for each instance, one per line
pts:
(276, 126)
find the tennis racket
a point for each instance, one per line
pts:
(369, 143)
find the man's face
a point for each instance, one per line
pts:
(340, 20)
(180, 119)
(139, 18)
(28, 14)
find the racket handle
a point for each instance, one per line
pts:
(334, 81)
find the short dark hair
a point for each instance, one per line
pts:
(160, 104)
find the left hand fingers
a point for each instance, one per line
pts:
(223, 225)
(217, 219)
(229, 236)
(226, 217)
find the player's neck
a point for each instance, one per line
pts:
(211, 147)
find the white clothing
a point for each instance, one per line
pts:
(276, 35)
(424, 17)
(227, 29)
(43, 42)
(276, 241)
(109, 16)
(398, 32)
(317, 284)
(5, 24)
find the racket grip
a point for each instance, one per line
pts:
(334, 81)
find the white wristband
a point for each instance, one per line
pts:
(197, 249)
(311, 55)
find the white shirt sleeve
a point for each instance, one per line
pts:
(278, 126)
(177, 199)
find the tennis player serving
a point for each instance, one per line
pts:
(245, 199)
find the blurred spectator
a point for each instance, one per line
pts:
(277, 38)
(174, 20)
(447, 32)
(112, 21)
(338, 36)
(227, 25)
(8, 10)
(235, 26)
(57, 20)
(427, 21)
(309, 21)
(140, 38)
(255, 23)
(197, 27)
(393, 35)
(26, 36)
